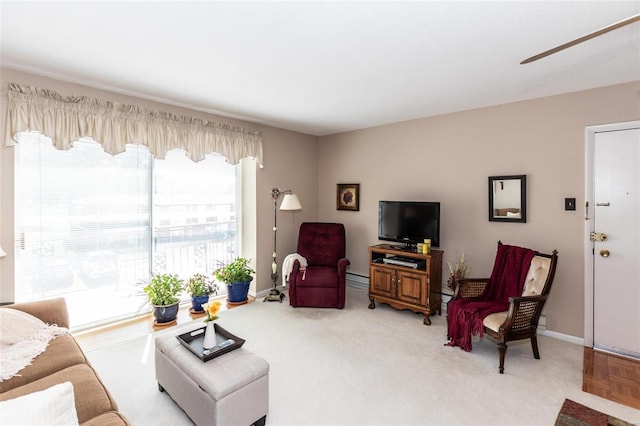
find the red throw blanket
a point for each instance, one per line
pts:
(507, 280)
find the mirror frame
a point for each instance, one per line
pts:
(523, 199)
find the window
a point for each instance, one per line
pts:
(91, 226)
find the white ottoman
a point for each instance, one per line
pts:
(232, 389)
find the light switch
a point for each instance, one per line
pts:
(569, 203)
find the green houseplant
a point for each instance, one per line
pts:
(163, 291)
(237, 276)
(200, 287)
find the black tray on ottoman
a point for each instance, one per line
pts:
(194, 339)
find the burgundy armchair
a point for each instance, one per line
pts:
(322, 283)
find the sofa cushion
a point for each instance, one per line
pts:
(16, 325)
(318, 276)
(91, 397)
(62, 352)
(51, 311)
(22, 338)
(322, 244)
(494, 321)
(537, 276)
(54, 406)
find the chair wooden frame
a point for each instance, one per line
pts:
(523, 314)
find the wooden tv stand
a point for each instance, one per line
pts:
(403, 287)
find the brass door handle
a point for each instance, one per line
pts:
(604, 253)
(598, 236)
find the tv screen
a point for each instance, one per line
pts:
(409, 222)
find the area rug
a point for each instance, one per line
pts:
(574, 414)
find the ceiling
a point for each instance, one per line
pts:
(323, 67)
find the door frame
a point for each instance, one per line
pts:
(590, 139)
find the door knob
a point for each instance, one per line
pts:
(604, 253)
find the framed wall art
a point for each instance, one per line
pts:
(348, 196)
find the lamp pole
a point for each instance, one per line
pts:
(274, 294)
(292, 203)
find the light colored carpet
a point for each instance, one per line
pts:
(358, 366)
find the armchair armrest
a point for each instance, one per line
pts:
(342, 265)
(51, 311)
(470, 287)
(523, 313)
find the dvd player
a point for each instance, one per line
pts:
(402, 261)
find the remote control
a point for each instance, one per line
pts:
(226, 343)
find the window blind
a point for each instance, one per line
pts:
(91, 226)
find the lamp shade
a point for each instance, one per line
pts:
(2, 253)
(290, 202)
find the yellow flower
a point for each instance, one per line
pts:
(212, 310)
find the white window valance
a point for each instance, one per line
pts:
(113, 125)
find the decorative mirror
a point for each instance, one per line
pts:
(508, 198)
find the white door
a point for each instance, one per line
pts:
(616, 249)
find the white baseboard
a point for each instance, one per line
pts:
(560, 336)
(358, 281)
(362, 282)
(445, 299)
(542, 322)
(542, 330)
(352, 280)
(260, 294)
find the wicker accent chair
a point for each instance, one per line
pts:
(521, 320)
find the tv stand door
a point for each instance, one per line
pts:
(382, 281)
(411, 287)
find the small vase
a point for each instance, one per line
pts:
(209, 336)
(452, 282)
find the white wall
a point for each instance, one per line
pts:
(449, 159)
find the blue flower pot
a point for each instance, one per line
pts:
(164, 314)
(198, 301)
(238, 292)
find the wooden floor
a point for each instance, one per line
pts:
(611, 377)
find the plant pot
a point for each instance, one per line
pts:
(452, 282)
(165, 314)
(238, 292)
(198, 301)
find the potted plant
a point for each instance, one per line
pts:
(163, 291)
(237, 276)
(457, 272)
(200, 287)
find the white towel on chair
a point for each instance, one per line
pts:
(287, 266)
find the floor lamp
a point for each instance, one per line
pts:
(289, 202)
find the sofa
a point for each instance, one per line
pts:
(62, 361)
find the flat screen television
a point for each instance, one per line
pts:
(409, 222)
